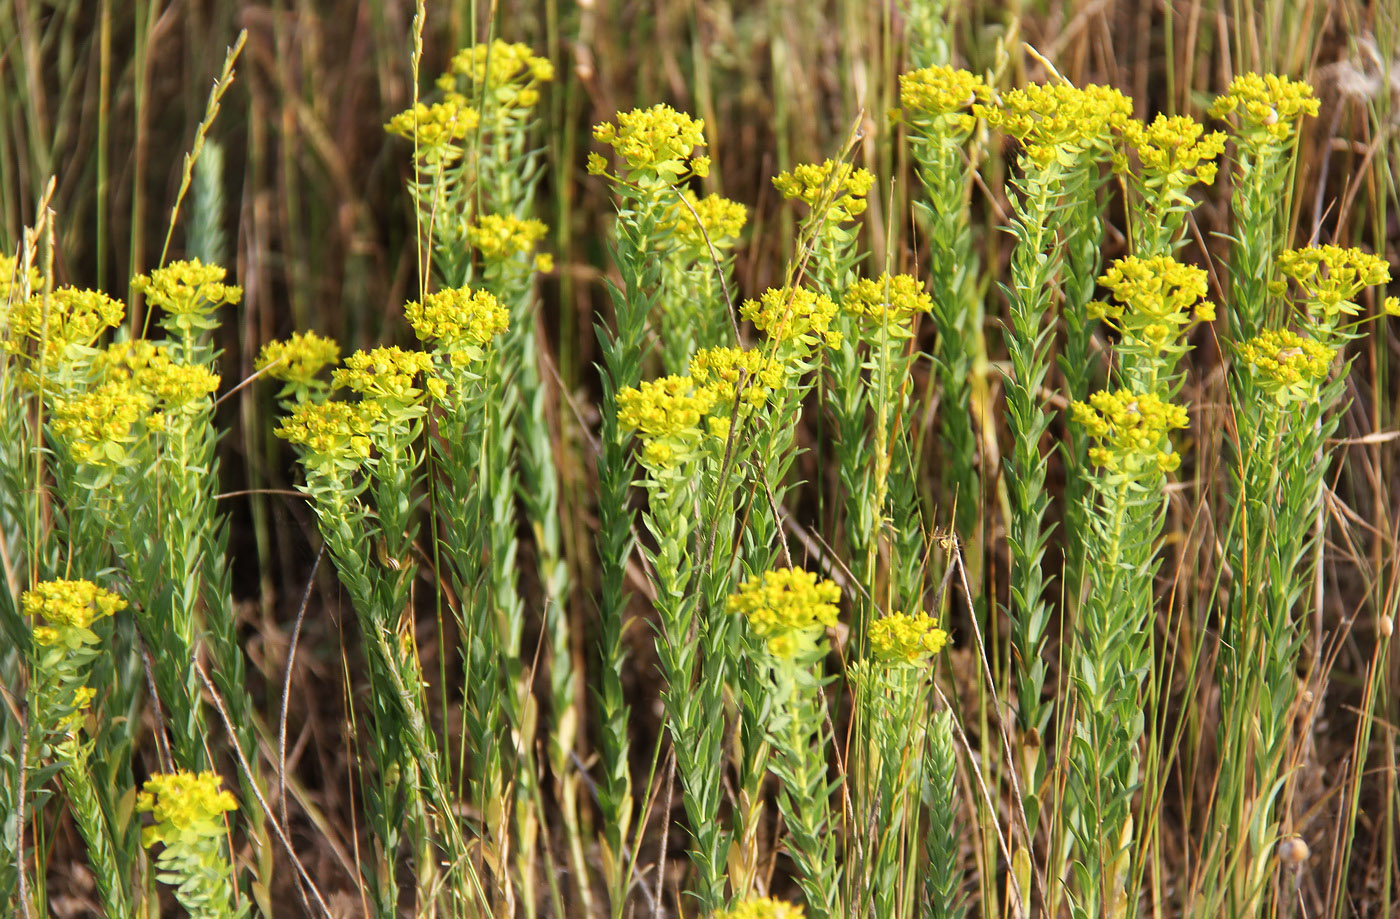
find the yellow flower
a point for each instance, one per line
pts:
(1057, 121)
(837, 186)
(15, 284)
(940, 95)
(384, 373)
(893, 300)
(299, 359)
(653, 142)
(900, 638)
(1266, 109)
(458, 318)
(96, 426)
(1175, 152)
(152, 370)
(794, 314)
(187, 807)
(1391, 306)
(721, 370)
(332, 430)
(788, 608)
(1331, 277)
(69, 605)
(70, 316)
(720, 219)
(1287, 365)
(437, 126)
(1155, 299)
(511, 72)
(1130, 431)
(187, 288)
(764, 908)
(500, 236)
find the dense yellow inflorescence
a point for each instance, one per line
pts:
(384, 373)
(457, 318)
(1056, 121)
(1331, 277)
(900, 638)
(71, 316)
(70, 608)
(14, 284)
(788, 608)
(654, 142)
(436, 125)
(502, 236)
(1286, 365)
(794, 314)
(186, 288)
(1265, 109)
(511, 72)
(893, 300)
(720, 220)
(187, 808)
(97, 426)
(839, 187)
(1130, 430)
(721, 370)
(1154, 299)
(667, 413)
(299, 359)
(332, 430)
(942, 94)
(764, 908)
(1175, 150)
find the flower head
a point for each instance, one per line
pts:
(68, 317)
(15, 284)
(1265, 109)
(720, 220)
(1130, 431)
(892, 300)
(941, 95)
(837, 187)
(1331, 277)
(788, 608)
(764, 908)
(509, 72)
(458, 318)
(299, 360)
(384, 373)
(722, 370)
(900, 638)
(501, 236)
(1175, 152)
(1155, 300)
(438, 128)
(187, 808)
(97, 426)
(653, 143)
(332, 432)
(794, 314)
(187, 288)
(667, 413)
(1056, 121)
(1287, 365)
(69, 606)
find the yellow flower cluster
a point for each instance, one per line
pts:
(299, 359)
(653, 142)
(1175, 151)
(153, 371)
(1391, 306)
(942, 94)
(96, 426)
(71, 316)
(187, 808)
(187, 288)
(838, 186)
(890, 299)
(1331, 277)
(500, 236)
(764, 908)
(384, 373)
(788, 608)
(667, 413)
(794, 314)
(1131, 430)
(1287, 365)
(70, 608)
(436, 126)
(332, 430)
(721, 220)
(511, 72)
(458, 318)
(1155, 298)
(1266, 109)
(1055, 122)
(900, 638)
(721, 370)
